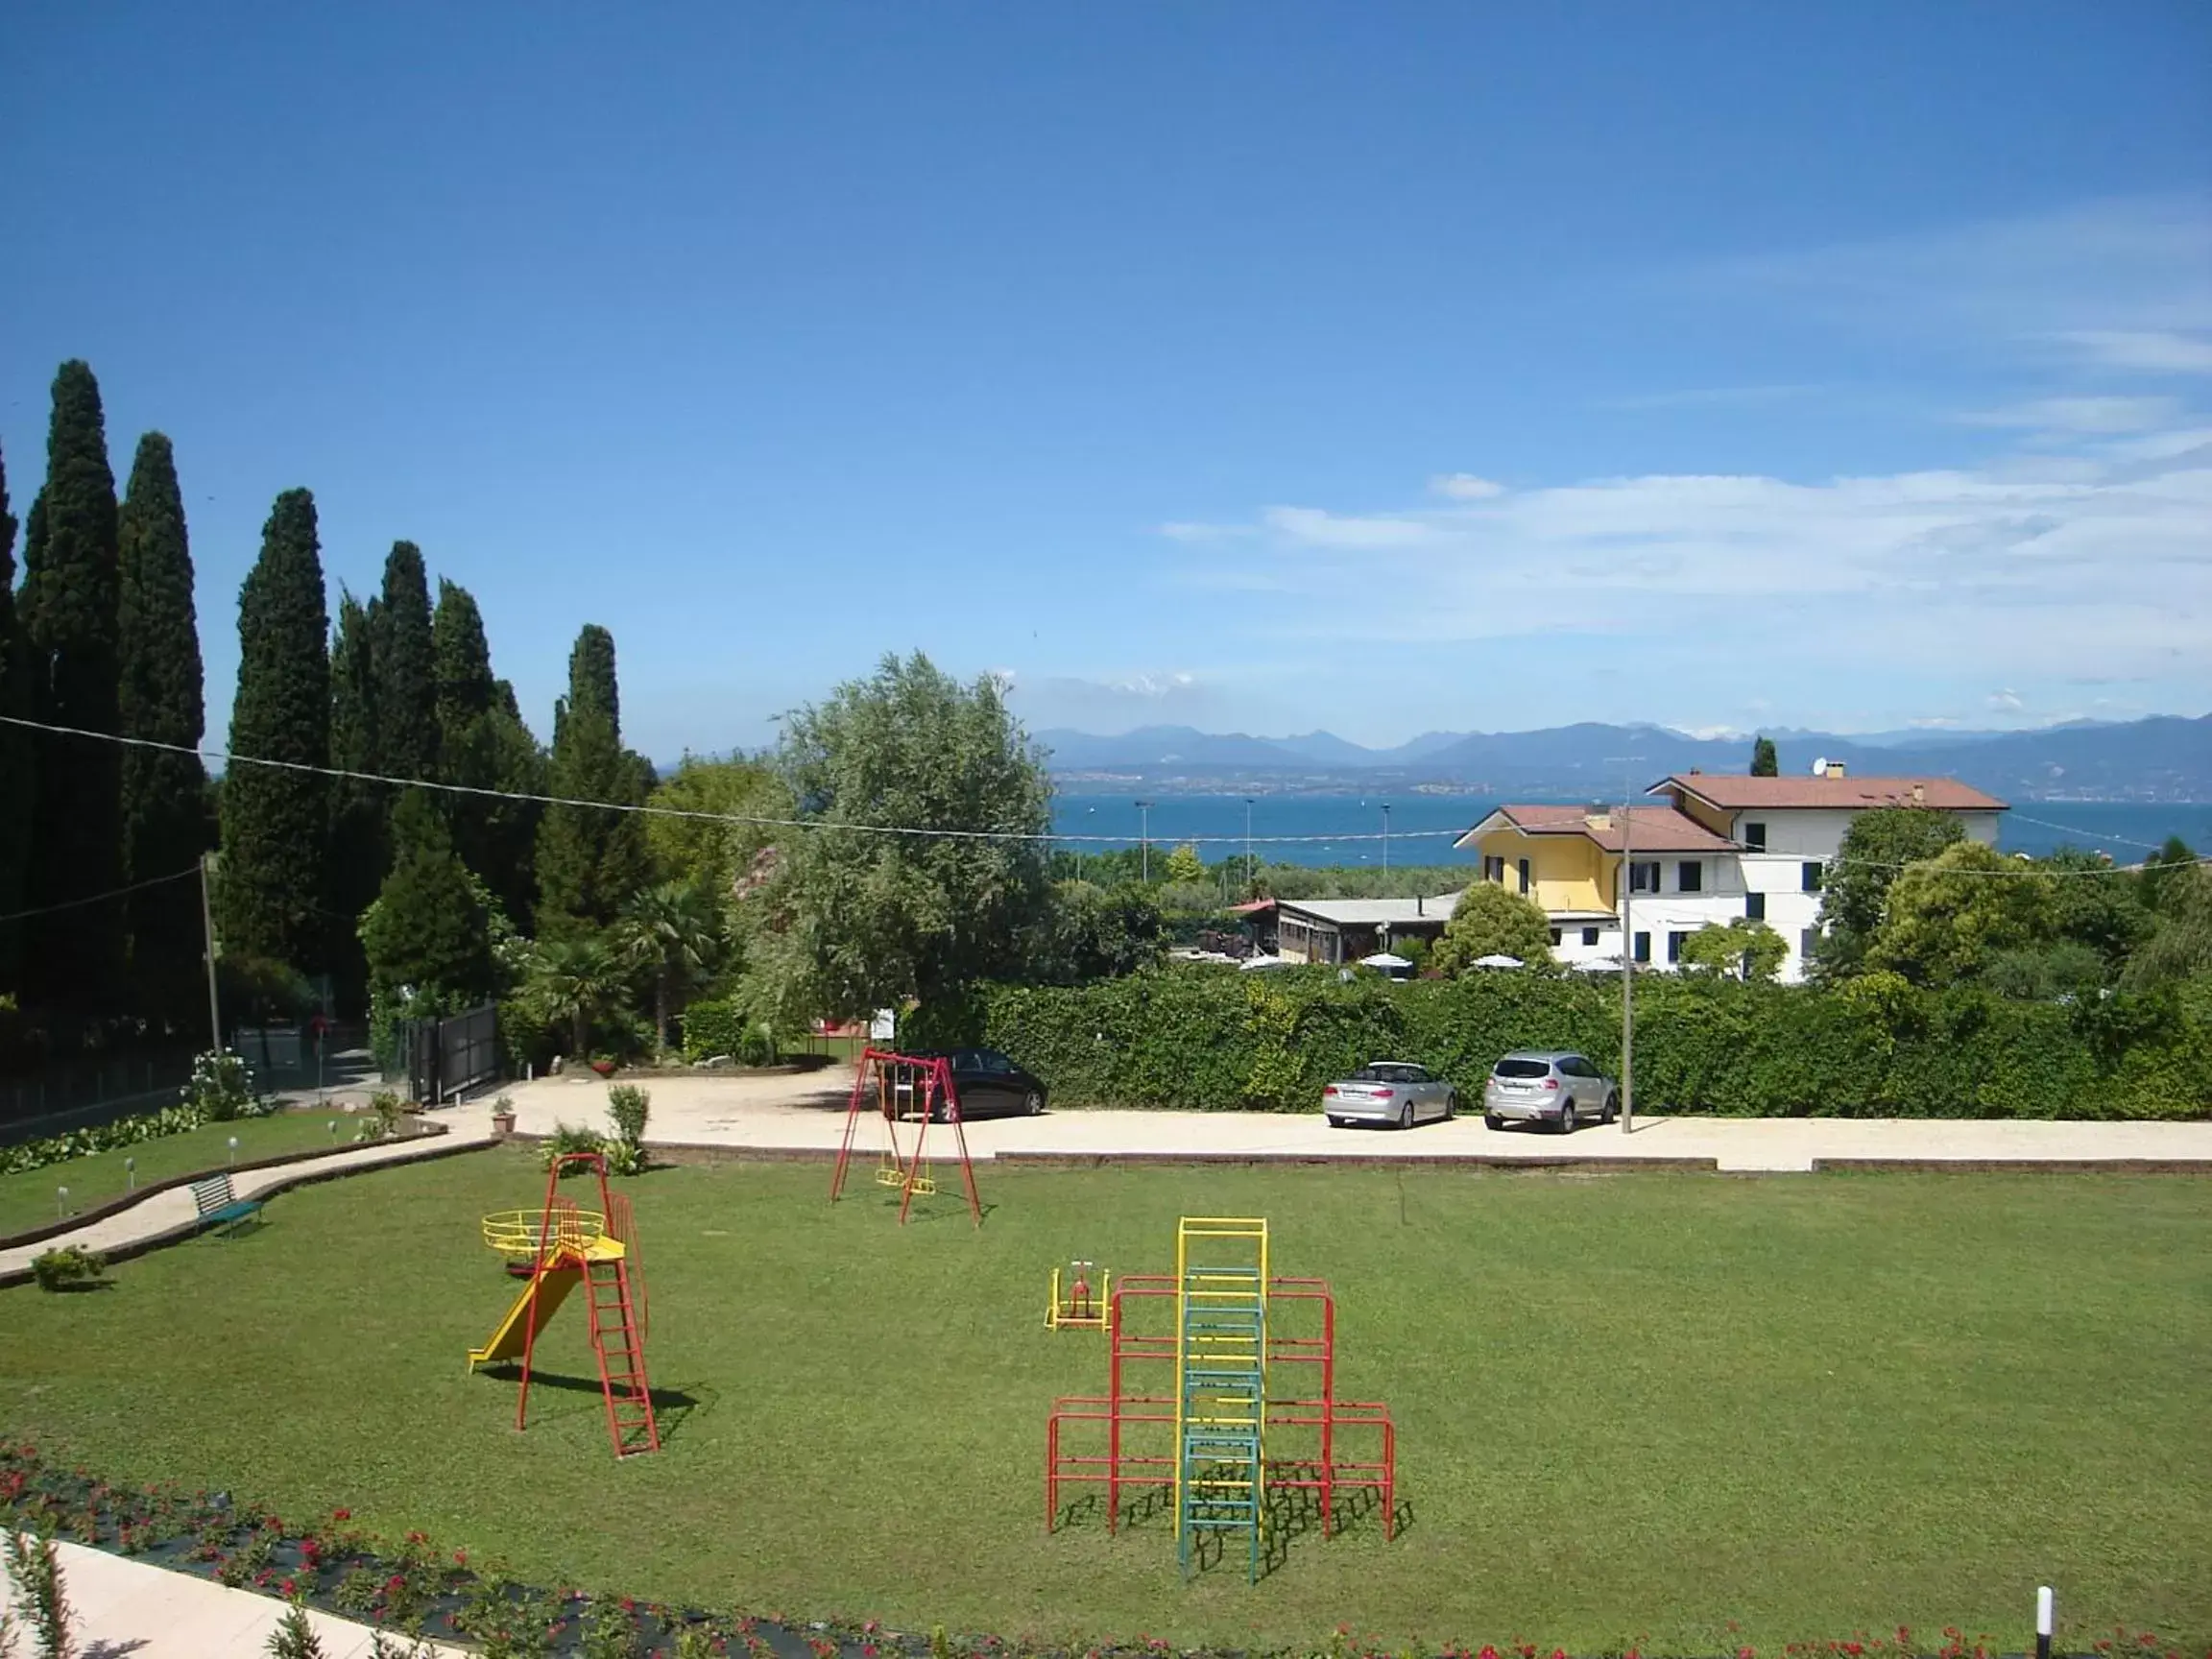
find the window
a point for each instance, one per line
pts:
(1755, 838)
(1674, 946)
(1643, 878)
(1588, 935)
(1690, 875)
(1755, 907)
(1493, 869)
(1554, 935)
(1643, 946)
(1809, 875)
(1524, 872)
(1570, 1066)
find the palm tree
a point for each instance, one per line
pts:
(582, 979)
(672, 932)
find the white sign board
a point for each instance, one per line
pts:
(884, 1027)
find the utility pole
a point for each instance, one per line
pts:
(207, 930)
(1385, 836)
(1144, 841)
(1628, 948)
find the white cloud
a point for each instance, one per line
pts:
(1465, 487)
(2081, 414)
(2007, 700)
(2160, 352)
(2123, 283)
(1313, 527)
(1712, 733)
(1935, 722)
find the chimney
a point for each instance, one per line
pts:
(1420, 906)
(1834, 768)
(1919, 794)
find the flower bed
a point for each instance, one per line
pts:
(419, 1588)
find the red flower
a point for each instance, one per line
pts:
(289, 1588)
(341, 1514)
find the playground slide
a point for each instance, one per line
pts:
(540, 1299)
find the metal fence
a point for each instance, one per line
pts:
(445, 1059)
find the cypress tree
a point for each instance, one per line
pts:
(161, 697)
(16, 783)
(406, 686)
(1763, 760)
(70, 602)
(427, 931)
(275, 826)
(590, 862)
(484, 744)
(358, 844)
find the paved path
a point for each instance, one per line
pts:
(806, 1113)
(126, 1607)
(170, 1214)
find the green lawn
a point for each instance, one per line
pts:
(1627, 1404)
(28, 1200)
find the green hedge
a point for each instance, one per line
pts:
(1210, 1040)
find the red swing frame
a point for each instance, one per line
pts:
(931, 1078)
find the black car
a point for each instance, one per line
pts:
(989, 1085)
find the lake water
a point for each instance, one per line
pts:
(1347, 829)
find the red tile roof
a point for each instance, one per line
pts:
(1731, 793)
(1652, 829)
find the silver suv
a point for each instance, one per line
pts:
(1547, 1086)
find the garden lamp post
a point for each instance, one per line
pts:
(130, 1174)
(60, 1203)
(233, 1151)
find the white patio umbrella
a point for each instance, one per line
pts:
(1254, 962)
(1498, 960)
(1386, 960)
(1598, 965)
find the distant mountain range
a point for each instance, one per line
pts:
(2160, 759)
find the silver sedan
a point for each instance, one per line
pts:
(1392, 1091)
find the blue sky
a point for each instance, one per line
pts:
(1262, 367)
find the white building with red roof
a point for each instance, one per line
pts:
(1720, 848)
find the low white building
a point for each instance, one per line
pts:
(1722, 847)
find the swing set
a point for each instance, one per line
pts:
(905, 1088)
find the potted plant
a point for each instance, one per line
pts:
(503, 1116)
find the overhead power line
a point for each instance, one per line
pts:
(1047, 838)
(101, 897)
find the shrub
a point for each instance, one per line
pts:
(568, 1138)
(628, 1106)
(222, 1088)
(712, 1027)
(67, 1267)
(34, 1574)
(1199, 1041)
(32, 1155)
(386, 1105)
(756, 1046)
(294, 1637)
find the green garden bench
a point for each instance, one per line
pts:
(219, 1207)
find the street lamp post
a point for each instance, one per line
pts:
(1251, 873)
(1628, 948)
(1385, 835)
(1144, 841)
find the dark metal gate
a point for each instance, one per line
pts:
(443, 1059)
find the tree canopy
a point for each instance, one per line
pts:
(861, 920)
(1488, 921)
(589, 860)
(70, 603)
(276, 827)
(1092, 932)
(165, 809)
(1763, 762)
(17, 782)
(1855, 887)
(1743, 949)
(1946, 916)
(427, 938)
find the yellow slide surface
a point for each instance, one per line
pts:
(540, 1299)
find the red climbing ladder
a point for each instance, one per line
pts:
(620, 1345)
(605, 1257)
